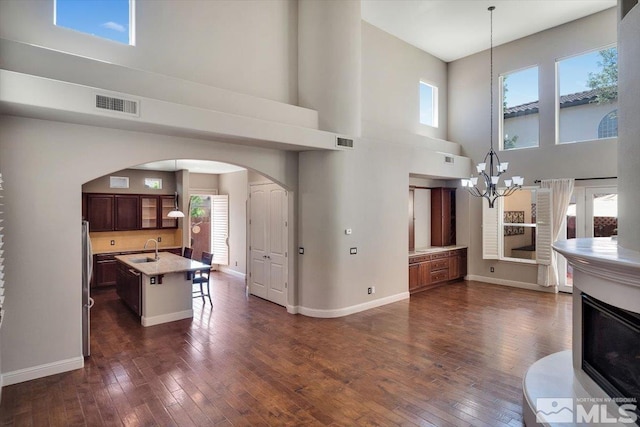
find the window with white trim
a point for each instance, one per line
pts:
(518, 228)
(108, 19)
(428, 104)
(587, 97)
(519, 106)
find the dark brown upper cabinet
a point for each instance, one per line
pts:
(100, 212)
(443, 216)
(127, 212)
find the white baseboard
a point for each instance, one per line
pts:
(28, 374)
(164, 318)
(512, 283)
(232, 272)
(339, 312)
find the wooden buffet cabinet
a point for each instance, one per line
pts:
(435, 268)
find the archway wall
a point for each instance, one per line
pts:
(44, 165)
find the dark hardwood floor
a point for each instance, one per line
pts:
(450, 356)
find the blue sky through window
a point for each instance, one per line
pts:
(573, 73)
(108, 19)
(426, 104)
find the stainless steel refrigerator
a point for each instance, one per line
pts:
(87, 301)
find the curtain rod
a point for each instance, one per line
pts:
(538, 181)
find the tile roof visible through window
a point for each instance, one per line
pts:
(570, 100)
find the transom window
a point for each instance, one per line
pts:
(519, 104)
(587, 96)
(107, 19)
(428, 104)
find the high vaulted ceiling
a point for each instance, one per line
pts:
(453, 29)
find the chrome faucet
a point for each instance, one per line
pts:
(156, 242)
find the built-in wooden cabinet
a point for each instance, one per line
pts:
(99, 212)
(129, 287)
(126, 212)
(122, 212)
(443, 216)
(105, 266)
(429, 270)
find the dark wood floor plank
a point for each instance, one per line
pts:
(449, 356)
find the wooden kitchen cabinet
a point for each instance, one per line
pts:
(127, 212)
(443, 216)
(167, 204)
(99, 212)
(429, 270)
(129, 287)
(104, 270)
(123, 212)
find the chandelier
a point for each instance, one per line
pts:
(491, 176)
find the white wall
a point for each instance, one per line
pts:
(469, 121)
(48, 162)
(235, 185)
(136, 182)
(203, 182)
(629, 131)
(422, 215)
(391, 74)
(200, 41)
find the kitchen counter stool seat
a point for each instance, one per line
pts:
(201, 278)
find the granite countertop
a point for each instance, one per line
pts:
(434, 250)
(168, 263)
(115, 251)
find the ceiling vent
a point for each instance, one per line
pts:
(449, 159)
(344, 142)
(117, 105)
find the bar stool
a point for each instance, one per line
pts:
(201, 277)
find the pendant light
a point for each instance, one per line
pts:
(175, 213)
(491, 178)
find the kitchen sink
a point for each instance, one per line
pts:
(142, 260)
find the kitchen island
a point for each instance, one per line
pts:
(159, 291)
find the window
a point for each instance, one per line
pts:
(108, 19)
(519, 105)
(518, 228)
(588, 96)
(428, 105)
(608, 127)
(153, 183)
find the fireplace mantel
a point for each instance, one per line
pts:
(607, 272)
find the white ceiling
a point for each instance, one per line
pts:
(193, 166)
(453, 29)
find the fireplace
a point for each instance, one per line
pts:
(611, 347)
(600, 375)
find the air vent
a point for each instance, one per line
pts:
(119, 105)
(449, 159)
(344, 142)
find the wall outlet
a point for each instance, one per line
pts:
(159, 239)
(369, 291)
(348, 231)
(373, 289)
(236, 263)
(113, 243)
(152, 280)
(493, 270)
(301, 251)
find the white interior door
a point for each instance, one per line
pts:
(268, 242)
(258, 241)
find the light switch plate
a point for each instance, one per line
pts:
(353, 251)
(348, 231)
(301, 251)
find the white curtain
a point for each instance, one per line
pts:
(561, 190)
